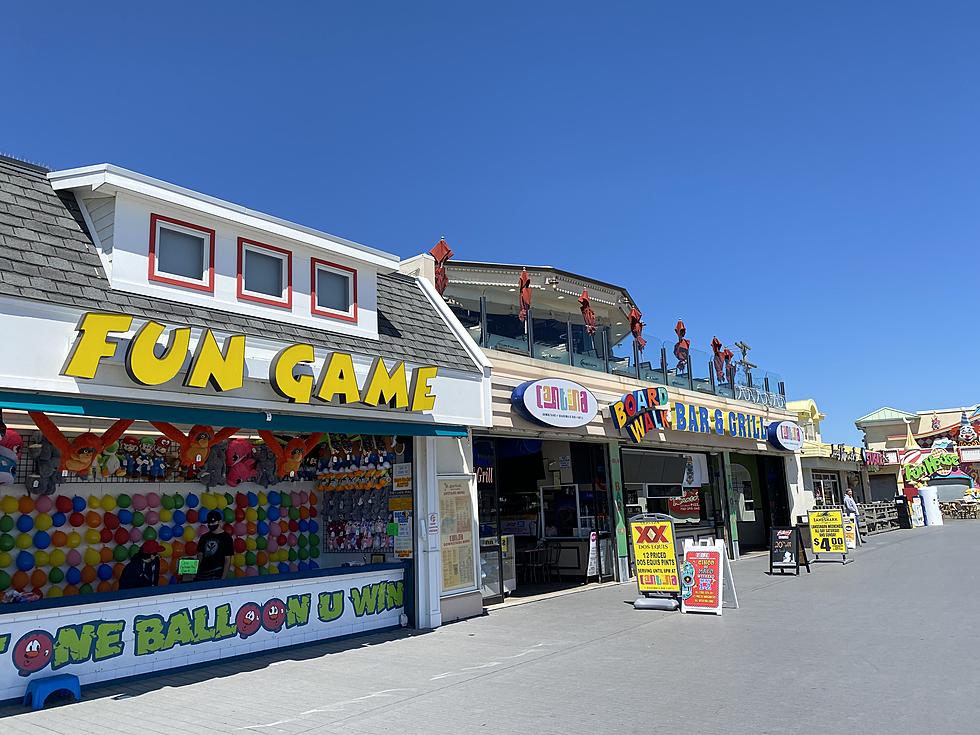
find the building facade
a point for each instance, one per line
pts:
(829, 470)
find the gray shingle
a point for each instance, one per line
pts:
(47, 255)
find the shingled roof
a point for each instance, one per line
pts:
(46, 254)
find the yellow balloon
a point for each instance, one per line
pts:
(91, 557)
(8, 504)
(94, 502)
(251, 515)
(250, 544)
(270, 570)
(189, 533)
(168, 549)
(166, 515)
(54, 592)
(42, 522)
(108, 502)
(6, 560)
(41, 558)
(207, 500)
(74, 540)
(282, 555)
(238, 560)
(23, 541)
(56, 557)
(92, 536)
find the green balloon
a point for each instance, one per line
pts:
(314, 541)
(285, 501)
(124, 501)
(230, 500)
(120, 553)
(149, 534)
(178, 501)
(4, 580)
(6, 523)
(134, 550)
(250, 558)
(293, 555)
(229, 514)
(85, 589)
(167, 502)
(304, 554)
(294, 513)
(261, 543)
(6, 542)
(138, 520)
(303, 541)
(261, 514)
(314, 552)
(55, 575)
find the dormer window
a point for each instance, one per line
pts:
(265, 273)
(333, 290)
(181, 253)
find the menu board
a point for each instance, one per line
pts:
(456, 534)
(656, 557)
(703, 564)
(782, 548)
(827, 532)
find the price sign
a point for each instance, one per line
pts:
(827, 532)
(656, 556)
(786, 551)
(187, 566)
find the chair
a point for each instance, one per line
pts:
(39, 690)
(552, 556)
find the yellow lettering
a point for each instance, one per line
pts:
(92, 343)
(337, 379)
(423, 399)
(142, 364)
(222, 369)
(619, 414)
(390, 389)
(292, 387)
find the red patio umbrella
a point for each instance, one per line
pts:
(682, 349)
(636, 327)
(524, 294)
(441, 252)
(587, 314)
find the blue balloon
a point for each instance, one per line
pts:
(25, 524)
(78, 504)
(192, 501)
(179, 518)
(314, 526)
(25, 561)
(273, 513)
(262, 528)
(73, 576)
(42, 540)
(58, 520)
(253, 500)
(125, 516)
(274, 498)
(304, 526)
(314, 565)
(303, 566)
(104, 572)
(283, 566)
(165, 533)
(177, 532)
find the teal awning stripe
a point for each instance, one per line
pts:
(217, 417)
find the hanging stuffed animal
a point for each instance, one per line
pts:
(78, 454)
(110, 463)
(130, 447)
(214, 470)
(196, 446)
(241, 466)
(291, 456)
(47, 459)
(10, 447)
(266, 473)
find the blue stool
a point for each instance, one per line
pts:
(39, 690)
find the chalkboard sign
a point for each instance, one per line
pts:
(786, 551)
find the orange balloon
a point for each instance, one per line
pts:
(164, 566)
(88, 574)
(312, 498)
(251, 529)
(261, 558)
(104, 587)
(118, 570)
(25, 504)
(93, 519)
(105, 555)
(178, 548)
(239, 572)
(59, 539)
(19, 581)
(304, 513)
(70, 589)
(38, 578)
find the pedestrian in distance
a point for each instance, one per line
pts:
(851, 508)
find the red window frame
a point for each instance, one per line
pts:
(170, 280)
(267, 300)
(318, 311)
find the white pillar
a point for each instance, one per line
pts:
(798, 502)
(428, 567)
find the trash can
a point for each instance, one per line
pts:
(904, 514)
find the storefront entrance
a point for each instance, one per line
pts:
(544, 515)
(760, 496)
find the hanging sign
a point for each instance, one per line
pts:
(656, 556)
(707, 578)
(786, 551)
(786, 435)
(827, 532)
(555, 402)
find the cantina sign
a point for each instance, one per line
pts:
(223, 367)
(555, 402)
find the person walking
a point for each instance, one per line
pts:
(851, 508)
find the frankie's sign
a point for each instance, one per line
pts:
(223, 367)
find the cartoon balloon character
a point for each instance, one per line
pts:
(33, 652)
(197, 444)
(78, 454)
(249, 619)
(290, 457)
(274, 615)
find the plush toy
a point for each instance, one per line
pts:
(196, 446)
(158, 465)
(10, 447)
(144, 460)
(292, 455)
(130, 447)
(241, 466)
(110, 463)
(266, 473)
(214, 471)
(47, 459)
(78, 454)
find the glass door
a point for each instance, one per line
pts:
(488, 502)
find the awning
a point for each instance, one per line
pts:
(95, 407)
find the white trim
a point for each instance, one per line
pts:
(204, 237)
(93, 233)
(117, 178)
(351, 296)
(284, 274)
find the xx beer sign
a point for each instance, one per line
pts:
(656, 556)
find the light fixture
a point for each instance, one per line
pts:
(512, 289)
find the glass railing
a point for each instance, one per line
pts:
(507, 333)
(588, 351)
(550, 340)
(701, 372)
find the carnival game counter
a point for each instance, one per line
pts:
(128, 633)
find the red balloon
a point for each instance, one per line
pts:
(121, 536)
(239, 515)
(241, 500)
(239, 546)
(76, 519)
(191, 516)
(111, 521)
(63, 504)
(313, 512)
(105, 536)
(282, 540)
(294, 526)
(229, 529)
(190, 548)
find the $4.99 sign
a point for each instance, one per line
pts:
(827, 532)
(656, 557)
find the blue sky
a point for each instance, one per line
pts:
(802, 176)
